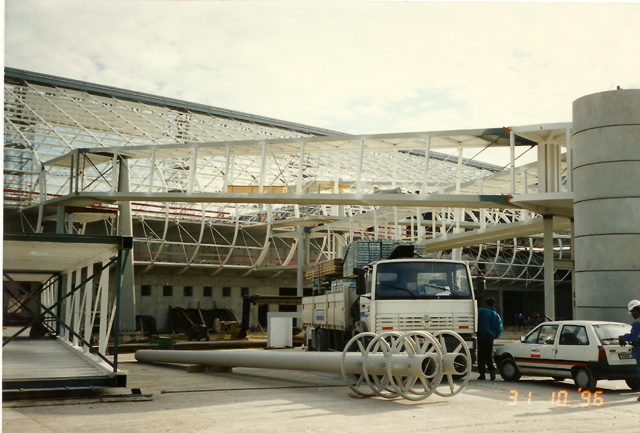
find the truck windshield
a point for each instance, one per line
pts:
(422, 280)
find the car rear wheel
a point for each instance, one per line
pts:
(509, 370)
(584, 379)
(634, 383)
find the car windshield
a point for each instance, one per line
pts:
(422, 280)
(609, 332)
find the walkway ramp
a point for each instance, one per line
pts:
(51, 363)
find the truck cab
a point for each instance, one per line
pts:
(418, 294)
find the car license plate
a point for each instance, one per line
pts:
(624, 355)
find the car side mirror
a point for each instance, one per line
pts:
(523, 339)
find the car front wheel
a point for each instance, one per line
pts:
(584, 379)
(634, 384)
(509, 370)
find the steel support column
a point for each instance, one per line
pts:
(549, 292)
(300, 263)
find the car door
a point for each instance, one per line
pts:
(572, 349)
(538, 354)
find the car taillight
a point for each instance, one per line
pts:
(602, 355)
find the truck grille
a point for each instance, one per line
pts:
(404, 323)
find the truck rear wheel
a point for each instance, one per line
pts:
(322, 340)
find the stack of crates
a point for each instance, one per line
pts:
(336, 286)
(388, 247)
(363, 252)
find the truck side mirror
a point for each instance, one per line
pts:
(480, 287)
(361, 288)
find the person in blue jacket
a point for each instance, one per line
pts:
(633, 337)
(520, 321)
(489, 328)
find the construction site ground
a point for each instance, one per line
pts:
(258, 400)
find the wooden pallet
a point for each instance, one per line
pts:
(324, 269)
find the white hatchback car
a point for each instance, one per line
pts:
(585, 351)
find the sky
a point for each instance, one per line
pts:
(354, 67)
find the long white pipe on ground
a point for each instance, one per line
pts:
(402, 363)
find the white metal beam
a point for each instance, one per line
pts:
(491, 234)
(412, 200)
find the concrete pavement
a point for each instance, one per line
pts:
(313, 403)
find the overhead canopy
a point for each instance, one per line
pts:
(471, 138)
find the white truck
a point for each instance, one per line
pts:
(401, 294)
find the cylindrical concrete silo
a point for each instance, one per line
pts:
(606, 182)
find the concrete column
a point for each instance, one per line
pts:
(125, 228)
(606, 146)
(573, 270)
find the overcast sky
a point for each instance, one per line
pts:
(357, 67)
